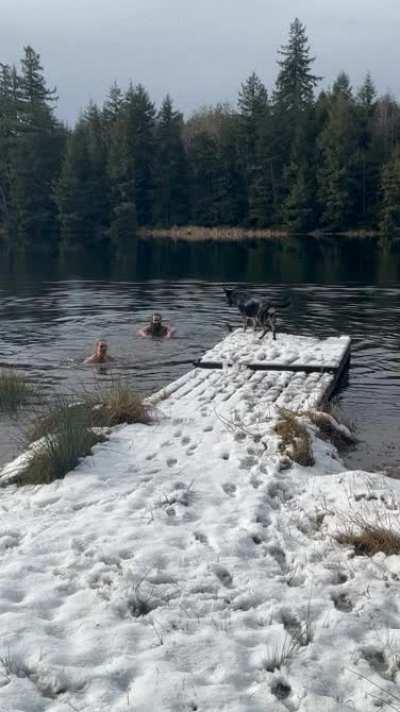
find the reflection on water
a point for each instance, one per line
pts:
(52, 312)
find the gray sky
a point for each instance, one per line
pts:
(199, 51)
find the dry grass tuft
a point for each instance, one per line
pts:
(67, 431)
(59, 451)
(14, 391)
(53, 418)
(276, 657)
(116, 405)
(296, 440)
(369, 539)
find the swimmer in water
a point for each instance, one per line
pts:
(100, 355)
(157, 328)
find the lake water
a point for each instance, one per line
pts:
(53, 310)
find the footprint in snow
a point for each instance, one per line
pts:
(255, 482)
(339, 578)
(376, 659)
(280, 689)
(185, 440)
(9, 539)
(229, 488)
(342, 602)
(192, 449)
(177, 433)
(247, 463)
(171, 461)
(278, 554)
(223, 575)
(201, 537)
(208, 428)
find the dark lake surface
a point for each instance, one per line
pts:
(52, 310)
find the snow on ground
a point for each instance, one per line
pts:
(180, 568)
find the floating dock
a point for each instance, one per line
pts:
(294, 372)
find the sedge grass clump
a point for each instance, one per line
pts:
(14, 391)
(60, 449)
(369, 539)
(54, 417)
(116, 405)
(295, 439)
(68, 430)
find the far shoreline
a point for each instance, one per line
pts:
(197, 233)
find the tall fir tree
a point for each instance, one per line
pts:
(338, 175)
(218, 195)
(82, 192)
(293, 111)
(171, 195)
(140, 115)
(295, 84)
(369, 154)
(10, 113)
(36, 159)
(389, 225)
(255, 149)
(121, 169)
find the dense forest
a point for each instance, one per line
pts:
(292, 158)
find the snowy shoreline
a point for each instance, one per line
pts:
(180, 567)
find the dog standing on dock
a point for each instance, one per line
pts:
(259, 314)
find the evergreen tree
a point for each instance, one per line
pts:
(217, 185)
(82, 192)
(389, 225)
(369, 157)
(338, 173)
(9, 128)
(121, 169)
(171, 195)
(35, 159)
(293, 111)
(38, 99)
(113, 105)
(296, 83)
(140, 115)
(255, 150)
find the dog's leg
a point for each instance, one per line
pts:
(272, 324)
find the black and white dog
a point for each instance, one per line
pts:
(255, 313)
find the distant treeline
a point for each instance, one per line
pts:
(290, 159)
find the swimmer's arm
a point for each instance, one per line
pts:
(144, 332)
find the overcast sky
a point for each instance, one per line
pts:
(197, 50)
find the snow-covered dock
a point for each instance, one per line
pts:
(182, 568)
(295, 372)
